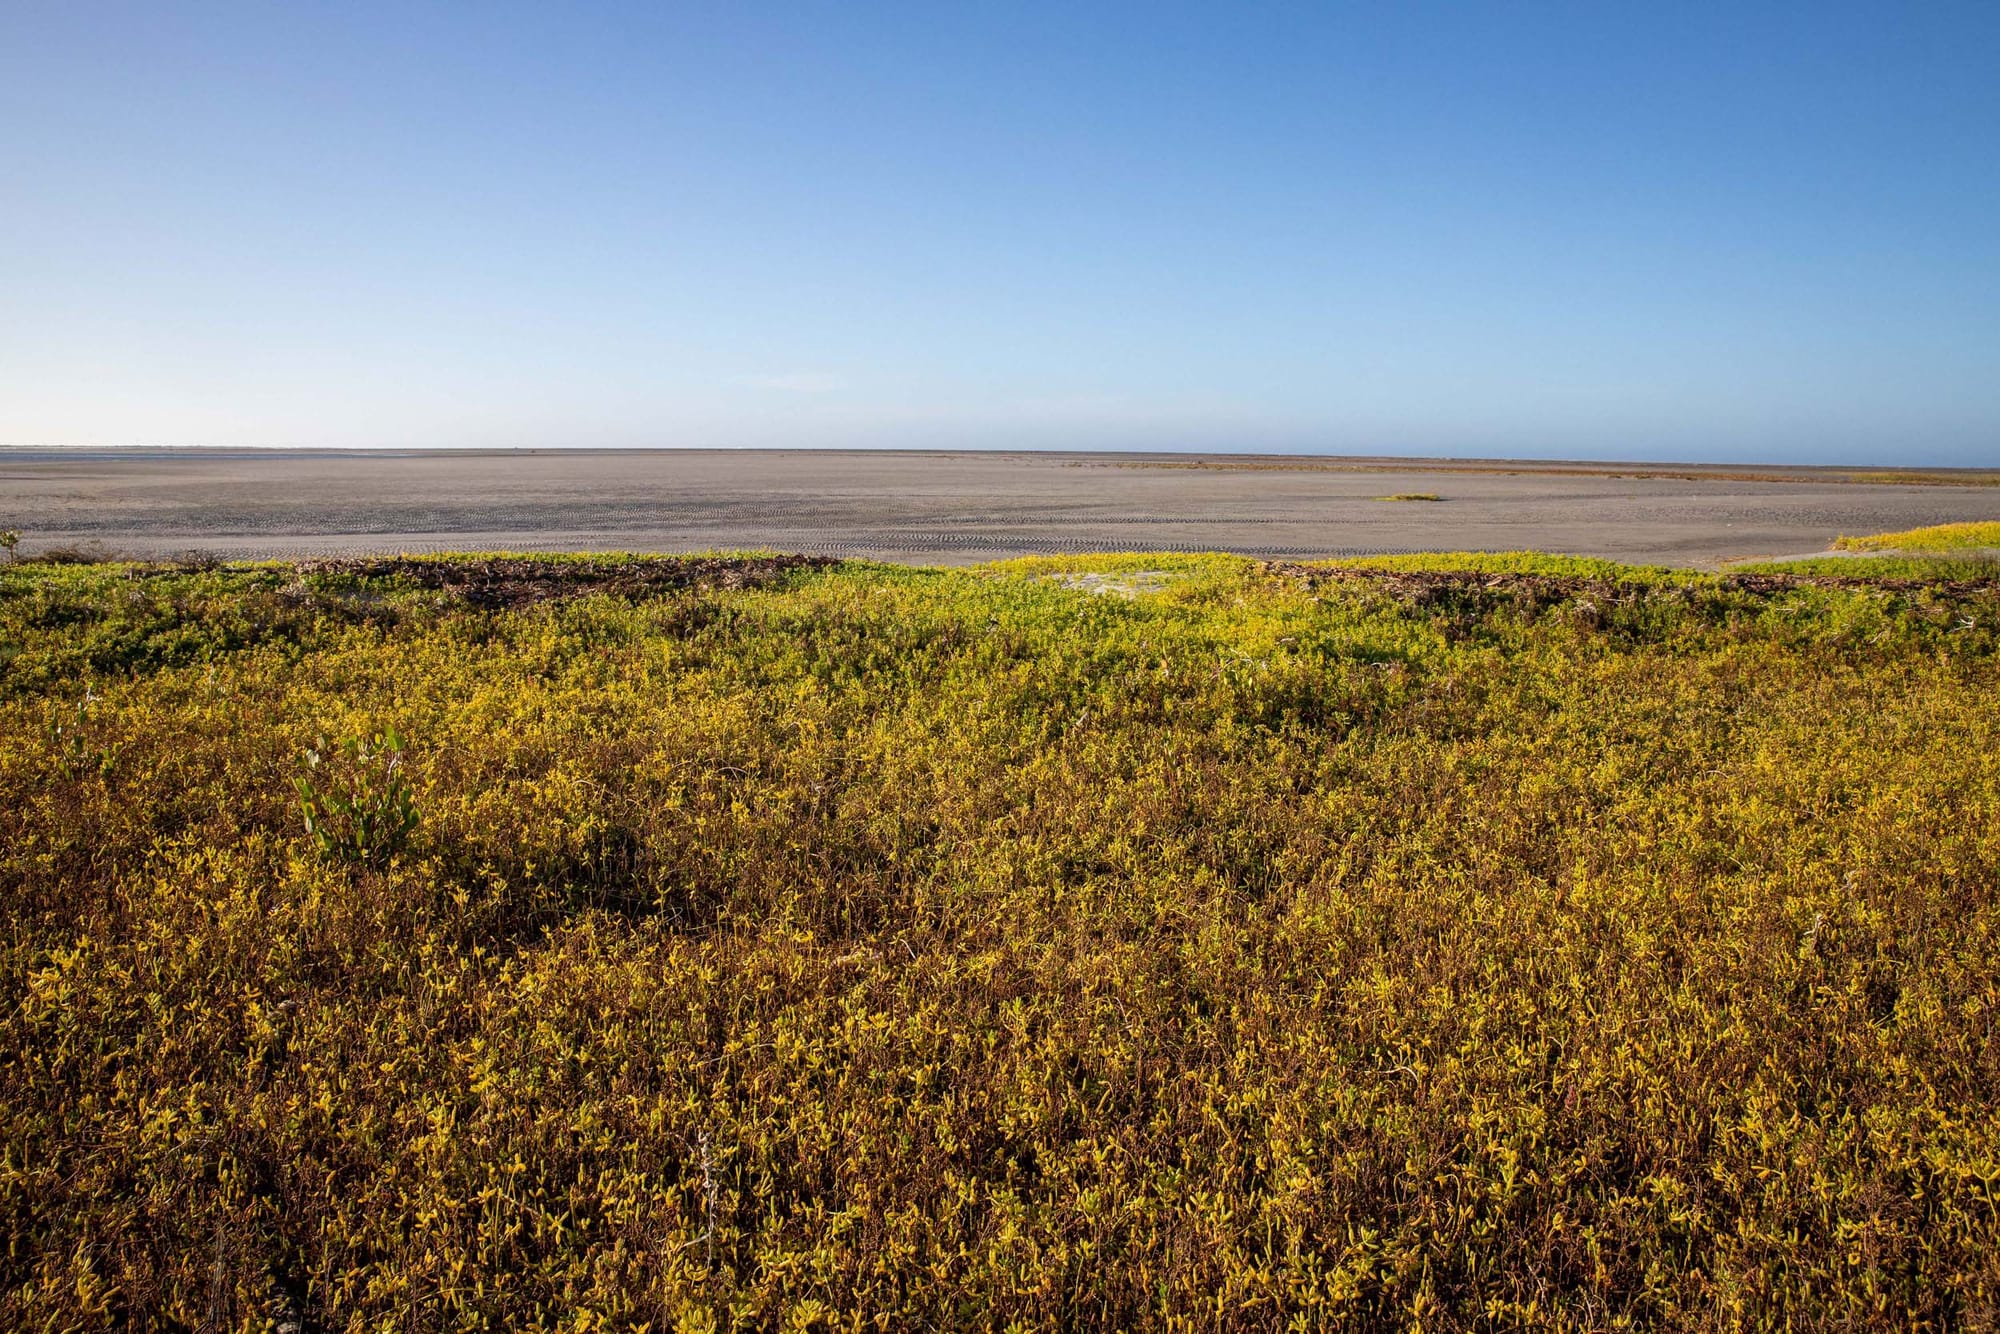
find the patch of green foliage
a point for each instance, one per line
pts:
(1507, 943)
(1412, 495)
(1508, 563)
(354, 801)
(1972, 566)
(1940, 537)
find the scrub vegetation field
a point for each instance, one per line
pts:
(1136, 942)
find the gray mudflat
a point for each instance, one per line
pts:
(935, 508)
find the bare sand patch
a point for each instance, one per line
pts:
(937, 507)
(1127, 585)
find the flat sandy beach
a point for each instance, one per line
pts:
(939, 507)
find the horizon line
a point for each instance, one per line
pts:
(1164, 452)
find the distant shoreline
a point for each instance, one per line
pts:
(1218, 460)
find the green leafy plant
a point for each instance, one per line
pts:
(10, 541)
(367, 813)
(69, 740)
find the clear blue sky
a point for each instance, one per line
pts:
(1592, 230)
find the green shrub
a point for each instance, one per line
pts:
(365, 814)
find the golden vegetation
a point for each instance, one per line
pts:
(1512, 468)
(1551, 945)
(1940, 537)
(1925, 477)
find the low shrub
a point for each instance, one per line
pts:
(354, 800)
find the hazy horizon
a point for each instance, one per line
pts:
(1609, 464)
(1759, 235)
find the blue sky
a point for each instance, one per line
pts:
(1691, 231)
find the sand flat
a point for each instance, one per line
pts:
(938, 507)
